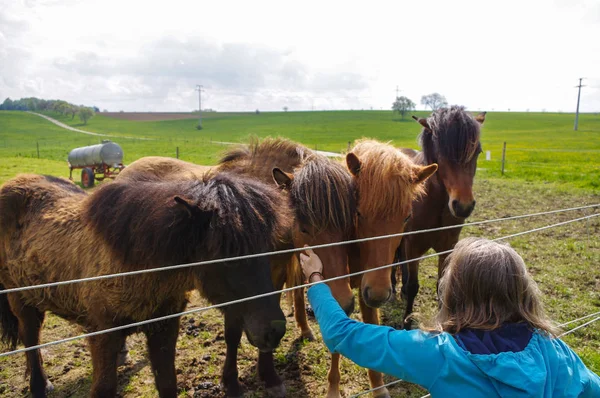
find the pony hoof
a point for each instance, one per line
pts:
(382, 393)
(276, 391)
(49, 386)
(308, 335)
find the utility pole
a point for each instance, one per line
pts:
(578, 97)
(199, 90)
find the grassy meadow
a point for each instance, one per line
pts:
(549, 166)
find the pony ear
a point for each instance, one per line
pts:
(422, 122)
(192, 210)
(423, 173)
(481, 117)
(353, 163)
(282, 179)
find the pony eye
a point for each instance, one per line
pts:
(303, 230)
(407, 218)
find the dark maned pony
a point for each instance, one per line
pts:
(50, 231)
(450, 138)
(387, 181)
(321, 197)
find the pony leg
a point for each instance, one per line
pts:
(371, 315)
(104, 349)
(300, 314)
(267, 373)
(333, 390)
(411, 288)
(30, 321)
(233, 336)
(161, 348)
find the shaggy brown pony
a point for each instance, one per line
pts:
(387, 181)
(50, 231)
(450, 138)
(321, 196)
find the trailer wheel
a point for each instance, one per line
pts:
(87, 177)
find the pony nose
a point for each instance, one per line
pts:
(372, 301)
(463, 210)
(275, 333)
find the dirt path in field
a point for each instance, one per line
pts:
(324, 153)
(65, 126)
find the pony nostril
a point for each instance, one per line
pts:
(473, 204)
(366, 294)
(455, 204)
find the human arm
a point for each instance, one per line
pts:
(413, 356)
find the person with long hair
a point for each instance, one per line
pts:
(490, 337)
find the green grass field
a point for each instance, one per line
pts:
(541, 147)
(549, 166)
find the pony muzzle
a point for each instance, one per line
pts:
(268, 338)
(376, 299)
(462, 209)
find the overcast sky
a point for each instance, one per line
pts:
(148, 56)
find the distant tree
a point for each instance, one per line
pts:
(434, 101)
(403, 105)
(257, 112)
(285, 108)
(104, 110)
(85, 114)
(96, 109)
(72, 110)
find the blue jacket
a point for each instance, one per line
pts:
(544, 368)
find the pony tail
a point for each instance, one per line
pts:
(8, 323)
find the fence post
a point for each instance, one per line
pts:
(177, 152)
(503, 156)
(37, 144)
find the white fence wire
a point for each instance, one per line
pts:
(220, 305)
(286, 251)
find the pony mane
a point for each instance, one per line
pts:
(322, 194)
(385, 182)
(144, 225)
(454, 135)
(269, 151)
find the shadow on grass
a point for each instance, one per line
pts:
(81, 387)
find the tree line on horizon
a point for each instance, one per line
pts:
(37, 104)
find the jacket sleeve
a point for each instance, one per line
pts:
(413, 356)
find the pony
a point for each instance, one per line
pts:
(317, 191)
(320, 193)
(450, 138)
(386, 183)
(50, 230)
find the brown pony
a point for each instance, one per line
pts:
(450, 138)
(320, 194)
(50, 230)
(387, 182)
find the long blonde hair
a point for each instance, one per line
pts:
(486, 284)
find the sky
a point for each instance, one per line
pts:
(148, 56)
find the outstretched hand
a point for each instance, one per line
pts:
(311, 265)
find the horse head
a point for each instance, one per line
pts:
(450, 138)
(321, 196)
(387, 182)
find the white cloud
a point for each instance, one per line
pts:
(135, 55)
